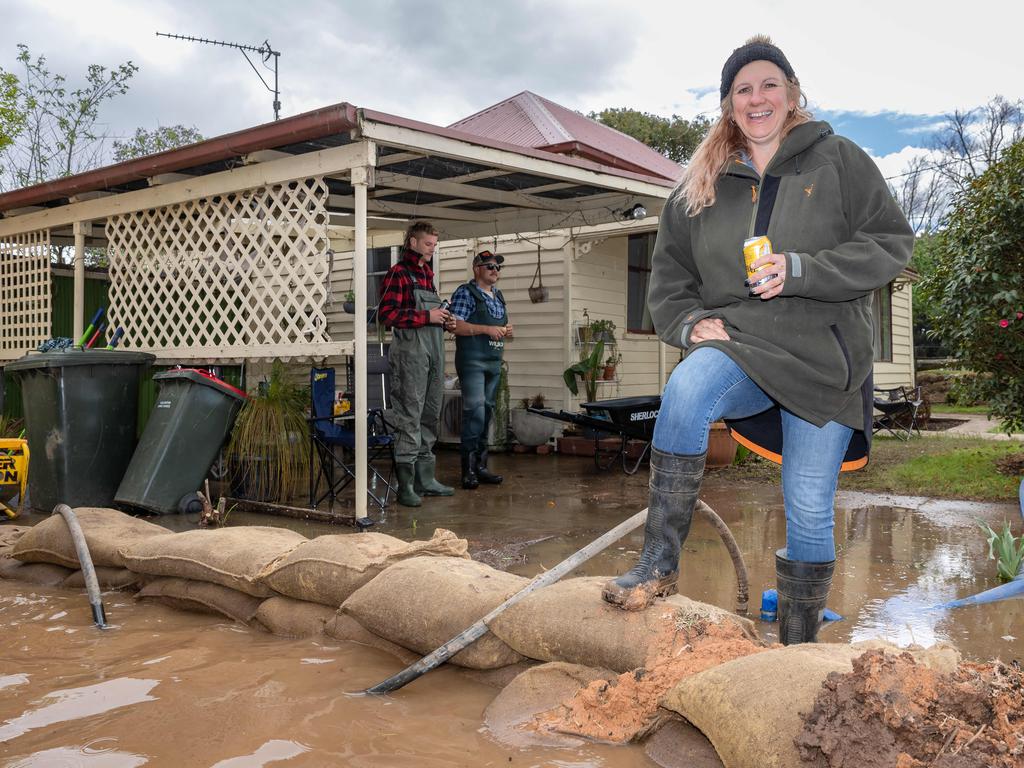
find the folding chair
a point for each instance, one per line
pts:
(329, 432)
(898, 409)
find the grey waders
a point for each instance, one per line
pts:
(407, 497)
(803, 590)
(675, 481)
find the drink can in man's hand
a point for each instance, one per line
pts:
(753, 249)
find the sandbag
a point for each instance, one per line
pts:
(294, 618)
(231, 557)
(108, 578)
(106, 532)
(201, 597)
(532, 692)
(727, 702)
(9, 535)
(328, 569)
(425, 601)
(40, 574)
(568, 621)
(345, 628)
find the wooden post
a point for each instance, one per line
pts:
(361, 178)
(80, 229)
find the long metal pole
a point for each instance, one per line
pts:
(78, 322)
(360, 180)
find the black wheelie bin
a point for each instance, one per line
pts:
(193, 416)
(81, 413)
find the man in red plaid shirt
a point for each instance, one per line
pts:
(411, 308)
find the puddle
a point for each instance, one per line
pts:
(206, 692)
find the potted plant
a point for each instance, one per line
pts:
(531, 429)
(349, 304)
(588, 369)
(610, 365)
(269, 447)
(603, 330)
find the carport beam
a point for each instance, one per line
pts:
(361, 178)
(80, 229)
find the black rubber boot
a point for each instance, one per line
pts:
(404, 480)
(803, 591)
(469, 477)
(483, 474)
(675, 481)
(426, 483)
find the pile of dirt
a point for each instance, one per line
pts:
(892, 711)
(1011, 464)
(627, 708)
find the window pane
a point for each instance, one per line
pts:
(881, 311)
(638, 316)
(378, 261)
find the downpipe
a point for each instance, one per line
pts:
(92, 585)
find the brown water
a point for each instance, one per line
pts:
(170, 688)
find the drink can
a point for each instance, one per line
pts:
(753, 249)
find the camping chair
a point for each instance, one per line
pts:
(329, 432)
(898, 409)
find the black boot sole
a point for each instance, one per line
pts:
(642, 595)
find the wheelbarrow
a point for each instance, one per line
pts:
(628, 418)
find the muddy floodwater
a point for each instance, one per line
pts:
(166, 688)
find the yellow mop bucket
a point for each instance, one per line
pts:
(13, 473)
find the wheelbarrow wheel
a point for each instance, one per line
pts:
(605, 457)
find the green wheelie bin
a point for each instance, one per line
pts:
(81, 414)
(193, 416)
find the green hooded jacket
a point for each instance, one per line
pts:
(824, 203)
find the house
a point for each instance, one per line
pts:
(596, 271)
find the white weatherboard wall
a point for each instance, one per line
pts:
(536, 356)
(901, 371)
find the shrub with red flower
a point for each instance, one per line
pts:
(977, 286)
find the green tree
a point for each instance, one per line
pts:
(11, 119)
(977, 289)
(59, 136)
(674, 137)
(146, 142)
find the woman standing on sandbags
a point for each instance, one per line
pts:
(779, 345)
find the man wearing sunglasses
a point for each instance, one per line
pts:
(481, 328)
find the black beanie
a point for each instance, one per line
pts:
(758, 48)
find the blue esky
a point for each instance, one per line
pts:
(882, 73)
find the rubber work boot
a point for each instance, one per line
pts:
(675, 481)
(404, 480)
(803, 590)
(469, 478)
(426, 483)
(483, 474)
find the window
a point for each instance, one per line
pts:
(881, 315)
(378, 262)
(638, 316)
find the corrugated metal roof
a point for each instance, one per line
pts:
(529, 120)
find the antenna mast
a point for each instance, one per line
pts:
(264, 50)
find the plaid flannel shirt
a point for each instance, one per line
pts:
(398, 302)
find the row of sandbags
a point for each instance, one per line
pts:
(610, 674)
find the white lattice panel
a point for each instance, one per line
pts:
(24, 292)
(242, 275)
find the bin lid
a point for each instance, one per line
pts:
(62, 358)
(202, 377)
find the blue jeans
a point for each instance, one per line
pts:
(708, 386)
(479, 383)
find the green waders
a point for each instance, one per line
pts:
(417, 383)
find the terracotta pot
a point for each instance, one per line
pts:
(721, 447)
(609, 373)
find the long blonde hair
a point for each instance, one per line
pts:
(723, 144)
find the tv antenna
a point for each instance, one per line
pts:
(264, 50)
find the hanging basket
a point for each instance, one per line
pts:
(538, 293)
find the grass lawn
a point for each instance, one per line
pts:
(940, 467)
(944, 408)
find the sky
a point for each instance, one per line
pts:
(882, 73)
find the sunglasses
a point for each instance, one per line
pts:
(491, 267)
